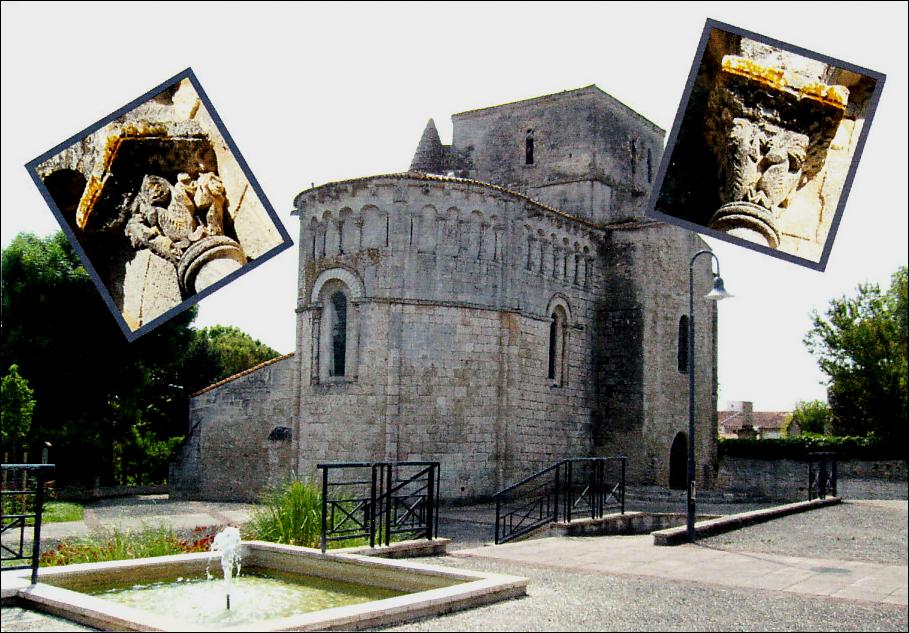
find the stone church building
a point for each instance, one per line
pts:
(503, 304)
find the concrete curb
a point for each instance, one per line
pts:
(679, 535)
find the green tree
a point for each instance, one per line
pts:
(861, 345)
(17, 403)
(811, 416)
(229, 349)
(111, 408)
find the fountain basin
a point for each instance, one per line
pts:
(423, 590)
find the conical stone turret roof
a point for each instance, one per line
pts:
(428, 157)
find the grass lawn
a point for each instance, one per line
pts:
(59, 511)
(55, 512)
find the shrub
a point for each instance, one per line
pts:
(812, 416)
(845, 447)
(289, 513)
(128, 544)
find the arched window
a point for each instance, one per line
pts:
(649, 166)
(558, 328)
(683, 344)
(634, 157)
(528, 148)
(553, 334)
(338, 320)
(336, 296)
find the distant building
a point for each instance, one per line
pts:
(740, 420)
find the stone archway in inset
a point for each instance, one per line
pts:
(678, 462)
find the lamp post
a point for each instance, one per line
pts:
(718, 293)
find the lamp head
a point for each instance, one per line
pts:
(719, 290)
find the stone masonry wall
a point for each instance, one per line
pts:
(458, 281)
(786, 479)
(642, 396)
(228, 454)
(593, 156)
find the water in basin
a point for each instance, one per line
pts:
(255, 595)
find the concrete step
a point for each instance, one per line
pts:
(656, 494)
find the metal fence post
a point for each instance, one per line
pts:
(438, 466)
(372, 508)
(36, 536)
(570, 495)
(555, 501)
(833, 477)
(623, 485)
(390, 505)
(324, 508)
(430, 491)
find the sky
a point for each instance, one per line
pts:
(314, 93)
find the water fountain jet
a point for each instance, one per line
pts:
(227, 541)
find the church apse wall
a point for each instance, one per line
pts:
(450, 289)
(494, 325)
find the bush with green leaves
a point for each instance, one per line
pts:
(811, 416)
(289, 513)
(846, 447)
(128, 544)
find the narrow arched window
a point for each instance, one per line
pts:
(683, 344)
(338, 334)
(634, 157)
(557, 344)
(649, 166)
(553, 334)
(528, 148)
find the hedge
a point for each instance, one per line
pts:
(845, 447)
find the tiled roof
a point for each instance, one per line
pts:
(240, 374)
(732, 420)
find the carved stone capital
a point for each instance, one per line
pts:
(770, 130)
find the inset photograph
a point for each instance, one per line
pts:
(159, 204)
(765, 145)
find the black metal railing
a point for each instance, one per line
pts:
(379, 501)
(22, 500)
(821, 475)
(575, 488)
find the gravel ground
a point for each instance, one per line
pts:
(19, 619)
(560, 600)
(854, 530)
(578, 600)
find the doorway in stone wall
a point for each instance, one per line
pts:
(678, 462)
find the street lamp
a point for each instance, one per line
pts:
(717, 293)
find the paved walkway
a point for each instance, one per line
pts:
(774, 576)
(134, 513)
(636, 555)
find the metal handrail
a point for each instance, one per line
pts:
(18, 520)
(542, 502)
(380, 506)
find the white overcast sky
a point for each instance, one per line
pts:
(315, 93)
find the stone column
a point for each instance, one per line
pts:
(316, 344)
(499, 235)
(207, 261)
